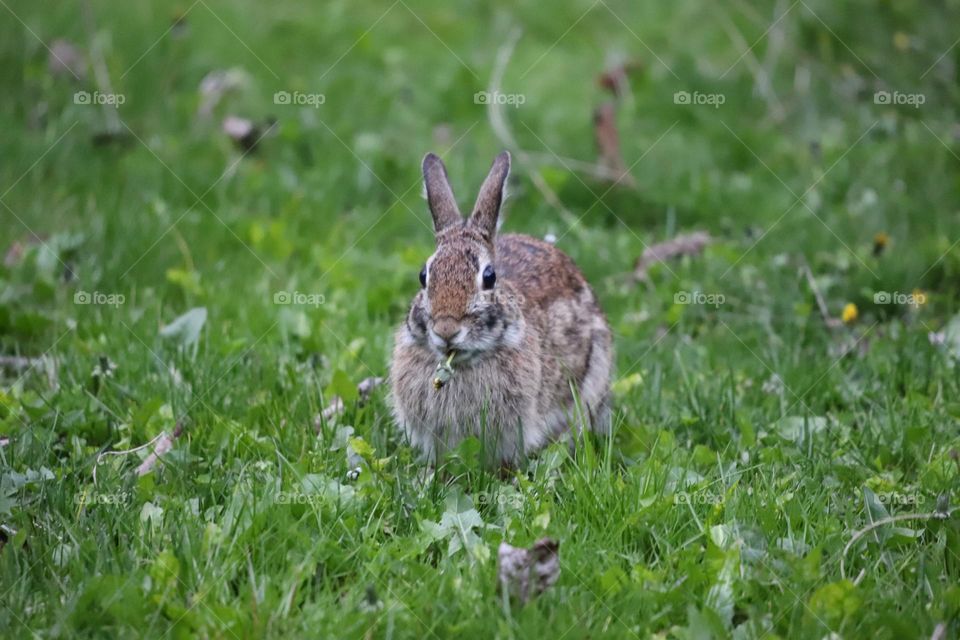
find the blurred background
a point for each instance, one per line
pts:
(173, 146)
(242, 145)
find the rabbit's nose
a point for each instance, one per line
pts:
(446, 328)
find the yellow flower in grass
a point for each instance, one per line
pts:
(850, 313)
(901, 41)
(880, 242)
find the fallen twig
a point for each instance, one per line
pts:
(830, 321)
(760, 75)
(164, 442)
(501, 129)
(532, 160)
(938, 515)
(608, 144)
(100, 72)
(498, 122)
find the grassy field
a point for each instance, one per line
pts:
(148, 256)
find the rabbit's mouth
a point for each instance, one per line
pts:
(477, 338)
(459, 356)
(451, 362)
(444, 371)
(465, 357)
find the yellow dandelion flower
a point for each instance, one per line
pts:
(880, 242)
(850, 313)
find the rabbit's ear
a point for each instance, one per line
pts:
(487, 209)
(443, 206)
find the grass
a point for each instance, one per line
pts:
(752, 441)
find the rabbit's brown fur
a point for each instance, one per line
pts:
(523, 346)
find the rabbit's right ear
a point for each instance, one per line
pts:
(486, 212)
(443, 206)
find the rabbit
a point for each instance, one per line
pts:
(529, 349)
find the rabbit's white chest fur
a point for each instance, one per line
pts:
(487, 397)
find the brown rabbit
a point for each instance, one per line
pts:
(528, 349)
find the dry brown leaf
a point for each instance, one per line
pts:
(218, 83)
(367, 385)
(608, 144)
(830, 321)
(615, 79)
(526, 573)
(163, 446)
(335, 408)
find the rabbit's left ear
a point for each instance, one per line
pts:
(487, 209)
(443, 206)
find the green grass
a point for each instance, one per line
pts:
(751, 443)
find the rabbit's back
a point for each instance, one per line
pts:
(575, 340)
(539, 270)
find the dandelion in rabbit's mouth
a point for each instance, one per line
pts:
(444, 371)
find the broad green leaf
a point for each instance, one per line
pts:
(798, 428)
(341, 385)
(457, 525)
(835, 602)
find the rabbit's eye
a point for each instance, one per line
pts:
(489, 277)
(423, 277)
